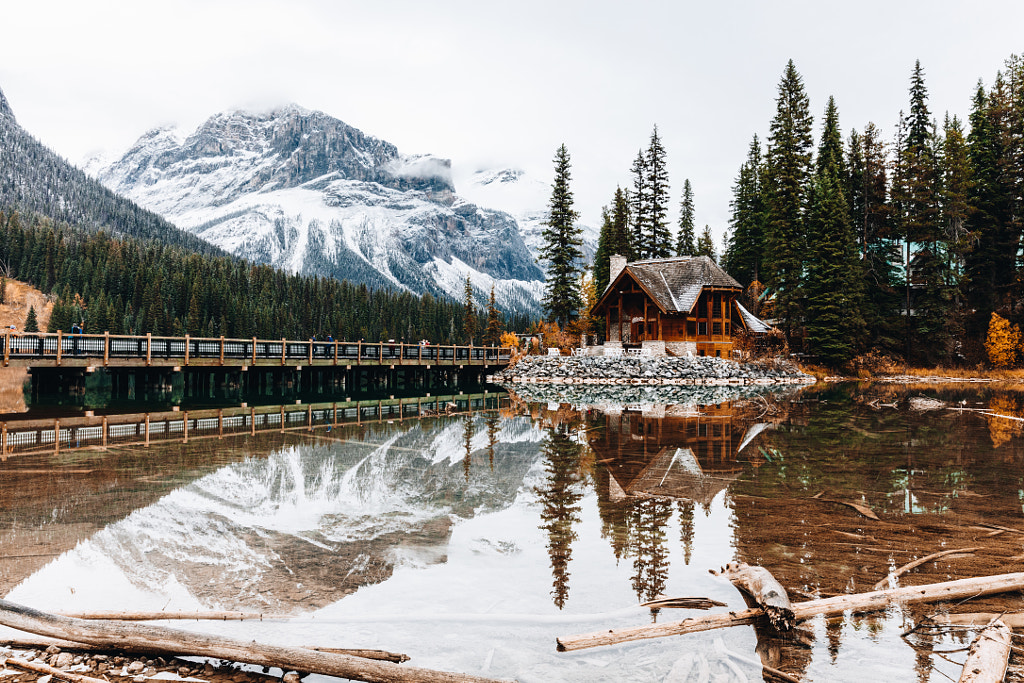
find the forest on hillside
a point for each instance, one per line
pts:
(131, 286)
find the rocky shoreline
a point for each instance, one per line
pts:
(702, 370)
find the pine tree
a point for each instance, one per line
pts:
(788, 171)
(613, 239)
(3, 289)
(561, 248)
(916, 200)
(659, 242)
(468, 312)
(743, 258)
(706, 244)
(31, 324)
(832, 285)
(492, 334)
(685, 244)
(639, 209)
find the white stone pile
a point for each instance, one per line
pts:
(703, 370)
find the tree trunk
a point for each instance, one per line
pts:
(763, 590)
(163, 640)
(861, 602)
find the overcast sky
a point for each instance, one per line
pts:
(494, 84)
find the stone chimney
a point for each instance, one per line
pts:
(616, 264)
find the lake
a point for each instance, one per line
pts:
(470, 539)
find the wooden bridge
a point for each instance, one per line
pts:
(56, 350)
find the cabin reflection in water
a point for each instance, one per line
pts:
(678, 452)
(653, 460)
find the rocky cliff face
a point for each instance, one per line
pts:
(304, 191)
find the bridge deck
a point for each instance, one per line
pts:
(106, 350)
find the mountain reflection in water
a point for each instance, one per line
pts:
(472, 541)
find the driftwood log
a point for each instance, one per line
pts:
(859, 602)
(46, 670)
(761, 589)
(986, 660)
(163, 640)
(682, 603)
(1011, 619)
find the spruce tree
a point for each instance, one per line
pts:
(31, 324)
(492, 334)
(833, 282)
(706, 244)
(659, 236)
(639, 209)
(685, 241)
(743, 259)
(788, 171)
(561, 247)
(468, 312)
(613, 240)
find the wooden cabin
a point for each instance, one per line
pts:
(687, 303)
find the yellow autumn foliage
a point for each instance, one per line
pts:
(1001, 429)
(1003, 342)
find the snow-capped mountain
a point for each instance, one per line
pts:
(304, 191)
(524, 196)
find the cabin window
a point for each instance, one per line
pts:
(718, 353)
(716, 328)
(702, 329)
(691, 328)
(701, 352)
(728, 327)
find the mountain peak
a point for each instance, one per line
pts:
(5, 108)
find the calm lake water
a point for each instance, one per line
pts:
(471, 541)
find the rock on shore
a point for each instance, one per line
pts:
(659, 370)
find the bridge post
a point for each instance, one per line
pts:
(254, 351)
(335, 351)
(106, 348)
(310, 353)
(284, 348)
(359, 352)
(149, 348)
(7, 348)
(3, 440)
(59, 345)
(147, 430)
(222, 349)
(187, 347)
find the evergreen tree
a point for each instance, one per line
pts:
(613, 240)
(3, 289)
(468, 312)
(743, 258)
(492, 334)
(31, 324)
(706, 244)
(832, 287)
(659, 241)
(561, 248)
(928, 304)
(639, 209)
(788, 170)
(560, 509)
(685, 241)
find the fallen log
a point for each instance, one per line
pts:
(46, 670)
(382, 655)
(859, 602)
(917, 563)
(764, 591)
(862, 509)
(989, 653)
(171, 616)
(164, 640)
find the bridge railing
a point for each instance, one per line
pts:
(105, 347)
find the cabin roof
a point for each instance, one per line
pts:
(675, 284)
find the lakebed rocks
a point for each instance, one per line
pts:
(702, 370)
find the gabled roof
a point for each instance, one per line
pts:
(674, 284)
(751, 321)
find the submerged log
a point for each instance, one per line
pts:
(917, 563)
(163, 640)
(859, 602)
(989, 653)
(1011, 619)
(764, 592)
(46, 670)
(169, 616)
(682, 603)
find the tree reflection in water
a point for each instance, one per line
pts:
(560, 509)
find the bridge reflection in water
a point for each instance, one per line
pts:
(26, 434)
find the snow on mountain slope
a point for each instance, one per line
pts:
(306, 192)
(524, 196)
